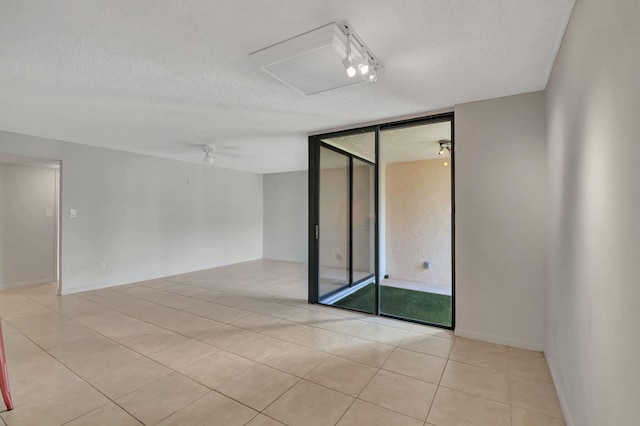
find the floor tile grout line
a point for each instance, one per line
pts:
(280, 396)
(89, 412)
(177, 411)
(78, 376)
(426, 419)
(474, 395)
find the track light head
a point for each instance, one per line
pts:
(351, 71)
(364, 69)
(373, 76)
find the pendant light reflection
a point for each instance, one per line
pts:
(445, 148)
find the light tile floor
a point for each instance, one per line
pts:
(239, 345)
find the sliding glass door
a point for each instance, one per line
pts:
(334, 254)
(381, 220)
(345, 234)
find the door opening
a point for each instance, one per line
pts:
(383, 196)
(30, 225)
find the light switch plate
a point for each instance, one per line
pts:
(73, 213)
(48, 212)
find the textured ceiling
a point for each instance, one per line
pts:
(162, 77)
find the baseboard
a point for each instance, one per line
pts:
(499, 340)
(66, 291)
(563, 402)
(26, 284)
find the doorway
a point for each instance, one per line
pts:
(29, 221)
(382, 220)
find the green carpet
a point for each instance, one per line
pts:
(410, 304)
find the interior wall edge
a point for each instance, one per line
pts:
(551, 363)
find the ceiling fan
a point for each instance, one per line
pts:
(211, 152)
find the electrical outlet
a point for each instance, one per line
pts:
(103, 266)
(73, 213)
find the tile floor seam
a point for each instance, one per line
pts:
(426, 419)
(70, 370)
(346, 411)
(165, 418)
(419, 352)
(259, 411)
(368, 382)
(89, 412)
(475, 395)
(396, 411)
(410, 377)
(481, 367)
(280, 396)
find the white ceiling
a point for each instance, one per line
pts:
(161, 77)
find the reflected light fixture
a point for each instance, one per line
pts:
(445, 147)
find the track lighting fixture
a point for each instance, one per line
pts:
(326, 58)
(367, 65)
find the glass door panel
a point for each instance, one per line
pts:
(415, 165)
(347, 219)
(333, 262)
(363, 219)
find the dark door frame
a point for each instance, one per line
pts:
(315, 142)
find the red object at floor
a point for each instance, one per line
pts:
(4, 377)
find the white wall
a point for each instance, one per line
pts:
(593, 298)
(286, 216)
(146, 217)
(501, 196)
(28, 235)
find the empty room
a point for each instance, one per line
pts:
(288, 212)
